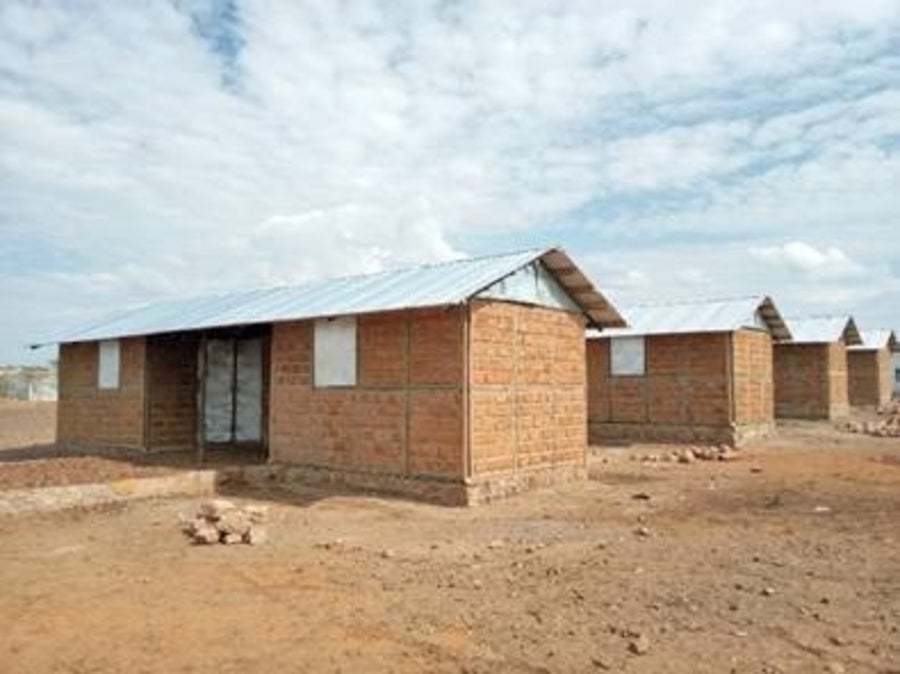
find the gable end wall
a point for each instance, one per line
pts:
(88, 416)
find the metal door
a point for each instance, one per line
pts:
(248, 390)
(233, 389)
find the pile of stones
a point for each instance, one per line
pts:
(690, 454)
(888, 426)
(221, 521)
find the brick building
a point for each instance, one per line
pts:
(811, 378)
(870, 368)
(455, 382)
(895, 357)
(686, 372)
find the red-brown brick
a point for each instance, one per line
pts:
(714, 387)
(870, 377)
(811, 381)
(403, 417)
(90, 416)
(171, 400)
(460, 404)
(528, 388)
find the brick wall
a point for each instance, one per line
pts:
(886, 367)
(89, 416)
(811, 381)
(870, 377)
(688, 393)
(527, 388)
(403, 417)
(172, 392)
(754, 386)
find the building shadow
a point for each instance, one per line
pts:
(241, 473)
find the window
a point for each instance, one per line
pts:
(334, 347)
(108, 366)
(627, 356)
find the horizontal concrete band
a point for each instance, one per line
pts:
(437, 490)
(680, 433)
(48, 499)
(432, 489)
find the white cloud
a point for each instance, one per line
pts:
(829, 262)
(140, 157)
(340, 241)
(675, 158)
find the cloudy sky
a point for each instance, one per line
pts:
(152, 149)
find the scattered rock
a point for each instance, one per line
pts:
(643, 532)
(640, 645)
(234, 522)
(641, 496)
(221, 521)
(388, 554)
(214, 508)
(887, 427)
(767, 592)
(203, 532)
(258, 514)
(256, 536)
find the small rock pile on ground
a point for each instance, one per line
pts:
(888, 426)
(694, 453)
(221, 521)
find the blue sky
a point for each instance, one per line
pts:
(693, 149)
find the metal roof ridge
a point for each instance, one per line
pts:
(222, 292)
(711, 300)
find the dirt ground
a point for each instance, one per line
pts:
(784, 560)
(28, 457)
(26, 424)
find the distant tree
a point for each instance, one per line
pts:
(6, 382)
(32, 375)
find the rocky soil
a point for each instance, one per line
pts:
(784, 558)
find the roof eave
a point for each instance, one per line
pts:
(775, 322)
(599, 310)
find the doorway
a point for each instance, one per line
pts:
(233, 400)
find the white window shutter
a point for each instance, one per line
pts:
(334, 346)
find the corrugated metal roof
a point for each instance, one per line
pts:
(724, 315)
(412, 288)
(876, 339)
(824, 329)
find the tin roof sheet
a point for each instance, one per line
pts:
(722, 315)
(432, 285)
(824, 329)
(876, 339)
